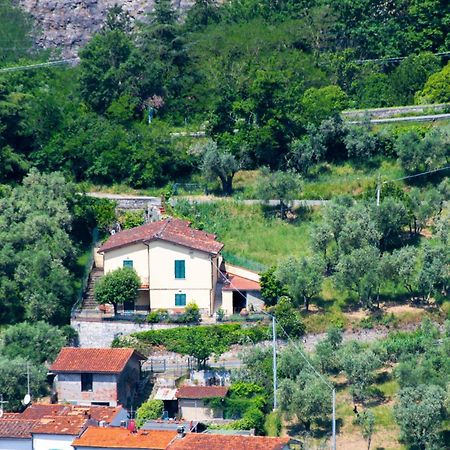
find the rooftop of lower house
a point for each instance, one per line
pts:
(201, 392)
(54, 419)
(194, 441)
(93, 360)
(99, 437)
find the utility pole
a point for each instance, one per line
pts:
(334, 420)
(274, 362)
(378, 190)
(1, 405)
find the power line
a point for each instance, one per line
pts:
(39, 65)
(394, 58)
(300, 351)
(417, 174)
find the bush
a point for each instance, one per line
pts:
(118, 287)
(191, 314)
(272, 424)
(150, 410)
(159, 315)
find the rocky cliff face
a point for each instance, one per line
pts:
(66, 25)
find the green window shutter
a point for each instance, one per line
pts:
(180, 299)
(180, 268)
(128, 263)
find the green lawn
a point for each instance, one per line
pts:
(253, 236)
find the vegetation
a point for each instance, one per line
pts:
(201, 342)
(118, 287)
(150, 410)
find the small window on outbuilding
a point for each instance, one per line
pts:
(180, 299)
(180, 268)
(86, 382)
(128, 263)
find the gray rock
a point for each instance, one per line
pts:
(66, 25)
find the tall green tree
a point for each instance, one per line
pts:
(303, 278)
(419, 412)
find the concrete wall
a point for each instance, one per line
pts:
(194, 409)
(52, 442)
(104, 389)
(127, 382)
(15, 444)
(101, 334)
(242, 272)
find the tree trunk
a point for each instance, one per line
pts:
(282, 210)
(115, 308)
(369, 441)
(227, 184)
(306, 302)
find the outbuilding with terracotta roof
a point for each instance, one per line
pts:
(96, 376)
(193, 402)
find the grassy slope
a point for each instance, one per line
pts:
(252, 234)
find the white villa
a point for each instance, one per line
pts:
(179, 265)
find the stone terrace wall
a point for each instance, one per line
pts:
(66, 25)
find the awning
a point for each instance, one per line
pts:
(165, 394)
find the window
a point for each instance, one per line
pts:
(128, 263)
(86, 382)
(180, 299)
(180, 268)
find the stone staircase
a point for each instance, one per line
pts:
(89, 302)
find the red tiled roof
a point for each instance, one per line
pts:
(237, 283)
(54, 419)
(123, 438)
(194, 441)
(201, 391)
(171, 230)
(16, 428)
(65, 425)
(97, 360)
(39, 410)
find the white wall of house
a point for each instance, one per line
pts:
(52, 442)
(162, 267)
(197, 284)
(15, 444)
(194, 409)
(104, 389)
(138, 253)
(227, 302)
(155, 266)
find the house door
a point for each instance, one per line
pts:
(128, 307)
(239, 302)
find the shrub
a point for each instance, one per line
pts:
(159, 315)
(118, 287)
(150, 410)
(272, 424)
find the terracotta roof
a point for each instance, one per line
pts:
(65, 425)
(202, 391)
(237, 283)
(171, 230)
(54, 419)
(16, 428)
(194, 441)
(123, 438)
(39, 410)
(97, 360)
